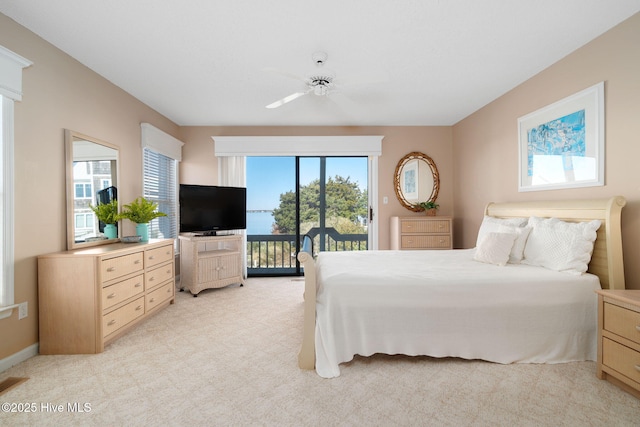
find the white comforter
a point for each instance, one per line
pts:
(443, 303)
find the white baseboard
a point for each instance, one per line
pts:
(18, 357)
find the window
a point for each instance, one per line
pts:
(84, 220)
(5, 299)
(83, 190)
(341, 146)
(11, 66)
(160, 156)
(160, 177)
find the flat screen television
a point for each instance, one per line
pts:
(207, 209)
(104, 196)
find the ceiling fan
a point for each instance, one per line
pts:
(320, 83)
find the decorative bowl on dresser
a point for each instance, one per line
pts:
(89, 297)
(619, 338)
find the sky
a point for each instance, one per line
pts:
(268, 177)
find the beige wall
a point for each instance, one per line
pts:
(59, 93)
(199, 164)
(485, 144)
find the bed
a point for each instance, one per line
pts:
(456, 303)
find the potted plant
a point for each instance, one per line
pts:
(107, 213)
(429, 207)
(141, 211)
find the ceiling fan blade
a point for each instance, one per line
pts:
(286, 99)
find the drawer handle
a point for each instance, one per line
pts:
(151, 279)
(137, 285)
(169, 271)
(152, 300)
(638, 328)
(151, 257)
(168, 252)
(113, 295)
(111, 322)
(168, 290)
(110, 269)
(441, 240)
(138, 308)
(136, 261)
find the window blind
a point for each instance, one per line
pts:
(160, 184)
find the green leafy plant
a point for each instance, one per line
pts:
(141, 211)
(427, 205)
(107, 212)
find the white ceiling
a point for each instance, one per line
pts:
(428, 62)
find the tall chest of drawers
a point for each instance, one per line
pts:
(87, 298)
(427, 232)
(619, 338)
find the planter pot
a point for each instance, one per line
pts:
(430, 212)
(110, 231)
(142, 230)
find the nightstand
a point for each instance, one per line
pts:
(619, 338)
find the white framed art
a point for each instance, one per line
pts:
(409, 180)
(562, 144)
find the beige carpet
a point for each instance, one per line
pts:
(228, 357)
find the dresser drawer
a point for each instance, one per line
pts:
(426, 242)
(621, 358)
(115, 320)
(118, 292)
(158, 255)
(622, 322)
(113, 268)
(159, 275)
(160, 295)
(426, 226)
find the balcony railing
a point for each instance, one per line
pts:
(275, 254)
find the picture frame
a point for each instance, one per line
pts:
(410, 180)
(562, 145)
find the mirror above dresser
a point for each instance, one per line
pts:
(416, 180)
(92, 178)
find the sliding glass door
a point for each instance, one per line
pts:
(288, 197)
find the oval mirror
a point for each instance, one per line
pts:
(416, 180)
(92, 178)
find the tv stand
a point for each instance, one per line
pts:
(207, 233)
(210, 261)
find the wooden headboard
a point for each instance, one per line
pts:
(606, 261)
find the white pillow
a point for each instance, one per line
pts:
(495, 248)
(517, 251)
(559, 245)
(506, 225)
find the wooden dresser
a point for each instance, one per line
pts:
(89, 297)
(421, 232)
(619, 338)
